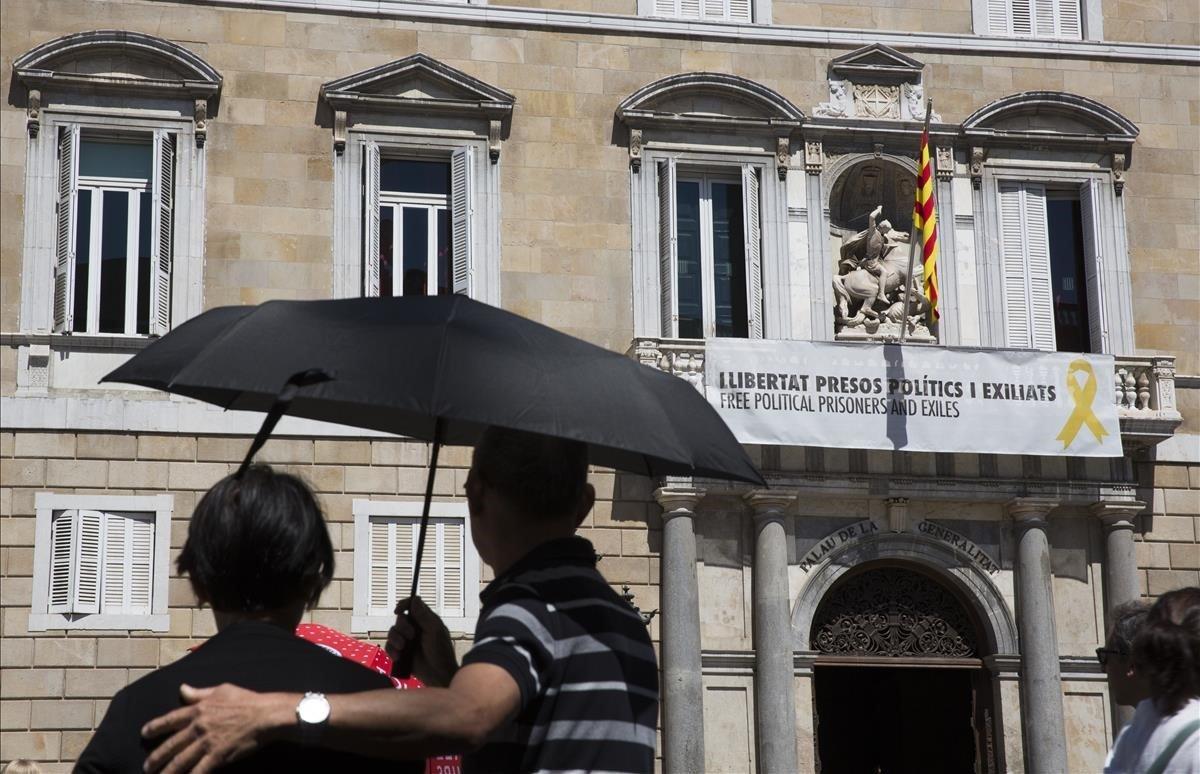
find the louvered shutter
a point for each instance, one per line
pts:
(62, 560)
(739, 11)
(1089, 202)
(667, 248)
(64, 234)
(1044, 18)
(1012, 267)
(462, 210)
(427, 583)
(404, 548)
(714, 9)
(1068, 13)
(1041, 286)
(751, 218)
(689, 9)
(666, 8)
(163, 230)
(114, 583)
(141, 565)
(1022, 15)
(371, 220)
(452, 570)
(85, 593)
(382, 571)
(998, 16)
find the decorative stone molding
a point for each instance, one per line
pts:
(978, 156)
(635, 150)
(1050, 119)
(339, 132)
(200, 122)
(1118, 173)
(115, 62)
(769, 506)
(1144, 391)
(813, 157)
(1029, 512)
(783, 156)
(678, 501)
(875, 82)
(420, 85)
(897, 513)
(945, 162)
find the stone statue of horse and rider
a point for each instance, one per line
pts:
(873, 281)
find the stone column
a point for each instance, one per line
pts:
(682, 690)
(1120, 570)
(1041, 681)
(775, 703)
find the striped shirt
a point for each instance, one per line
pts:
(582, 660)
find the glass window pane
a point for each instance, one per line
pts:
(145, 286)
(103, 157)
(386, 230)
(729, 261)
(407, 176)
(689, 293)
(444, 247)
(114, 239)
(83, 249)
(416, 251)
(1064, 223)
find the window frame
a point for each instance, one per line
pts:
(1106, 258)
(1091, 22)
(482, 213)
(186, 239)
(361, 620)
(772, 287)
(760, 12)
(160, 507)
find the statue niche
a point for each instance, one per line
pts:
(872, 281)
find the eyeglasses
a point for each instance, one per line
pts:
(1102, 655)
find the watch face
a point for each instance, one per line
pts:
(313, 708)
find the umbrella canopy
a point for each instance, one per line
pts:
(443, 368)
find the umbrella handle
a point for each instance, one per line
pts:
(402, 666)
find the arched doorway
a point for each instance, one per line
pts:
(899, 681)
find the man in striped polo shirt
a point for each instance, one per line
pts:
(562, 676)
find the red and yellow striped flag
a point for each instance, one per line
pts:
(925, 224)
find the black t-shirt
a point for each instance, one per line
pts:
(253, 655)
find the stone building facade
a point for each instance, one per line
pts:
(254, 150)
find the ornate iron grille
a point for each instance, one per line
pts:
(893, 612)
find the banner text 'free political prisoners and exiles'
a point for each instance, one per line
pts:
(878, 396)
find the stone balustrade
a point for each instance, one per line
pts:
(1144, 385)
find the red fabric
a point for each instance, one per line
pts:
(373, 657)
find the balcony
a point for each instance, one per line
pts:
(1144, 387)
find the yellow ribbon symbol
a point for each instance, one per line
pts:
(1082, 397)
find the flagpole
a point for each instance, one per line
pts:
(912, 232)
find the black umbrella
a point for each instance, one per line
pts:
(441, 369)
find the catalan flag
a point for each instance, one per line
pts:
(925, 224)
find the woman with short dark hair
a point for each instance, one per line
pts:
(1164, 735)
(259, 553)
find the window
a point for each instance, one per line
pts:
(113, 219)
(708, 10)
(1035, 19)
(385, 545)
(710, 251)
(100, 562)
(417, 235)
(1050, 268)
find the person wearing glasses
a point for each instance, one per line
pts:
(1125, 684)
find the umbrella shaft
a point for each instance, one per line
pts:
(433, 458)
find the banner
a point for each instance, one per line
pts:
(930, 399)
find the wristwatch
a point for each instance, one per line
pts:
(313, 715)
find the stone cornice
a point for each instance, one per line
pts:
(607, 24)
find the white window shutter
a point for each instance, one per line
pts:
(1012, 267)
(371, 219)
(999, 13)
(1022, 17)
(163, 231)
(689, 9)
(62, 560)
(1041, 287)
(85, 597)
(1068, 14)
(381, 598)
(404, 548)
(427, 583)
(714, 10)
(114, 584)
(452, 570)
(64, 235)
(739, 11)
(668, 248)
(462, 210)
(1089, 208)
(751, 218)
(1044, 18)
(666, 7)
(141, 565)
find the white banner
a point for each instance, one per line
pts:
(914, 398)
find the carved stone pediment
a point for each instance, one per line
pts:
(1054, 116)
(875, 82)
(710, 101)
(418, 84)
(115, 62)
